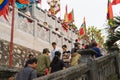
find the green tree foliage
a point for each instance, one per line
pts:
(96, 34)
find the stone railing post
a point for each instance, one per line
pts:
(117, 62)
(50, 38)
(86, 57)
(93, 70)
(62, 40)
(35, 28)
(33, 10)
(46, 15)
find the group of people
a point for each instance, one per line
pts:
(49, 62)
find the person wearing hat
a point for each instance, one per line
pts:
(43, 63)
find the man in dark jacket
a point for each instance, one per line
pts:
(28, 72)
(96, 49)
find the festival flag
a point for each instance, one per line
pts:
(115, 2)
(109, 11)
(71, 16)
(82, 30)
(4, 8)
(23, 1)
(66, 15)
(84, 24)
(110, 14)
(65, 22)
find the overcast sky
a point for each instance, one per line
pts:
(93, 10)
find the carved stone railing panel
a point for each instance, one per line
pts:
(106, 68)
(64, 41)
(67, 42)
(20, 54)
(64, 32)
(69, 45)
(57, 38)
(40, 15)
(69, 34)
(74, 36)
(25, 24)
(50, 21)
(54, 37)
(43, 33)
(58, 25)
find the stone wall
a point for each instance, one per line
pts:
(20, 54)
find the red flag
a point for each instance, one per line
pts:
(23, 1)
(110, 11)
(4, 8)
(66, 15)
(81, 31)
(71, 16)
(115, 2)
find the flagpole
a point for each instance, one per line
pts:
(12, 34)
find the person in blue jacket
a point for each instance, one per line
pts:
(95, 48)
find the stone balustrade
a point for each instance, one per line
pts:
(78, 72)
(31, 31)
(108, 67)
(104, 68)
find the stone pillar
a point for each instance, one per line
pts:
(62, 38)
(46, 15)
(86, 57)
(117, 62)
(92, 75)
(33, 10)
(50, 38)
(35, 28)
